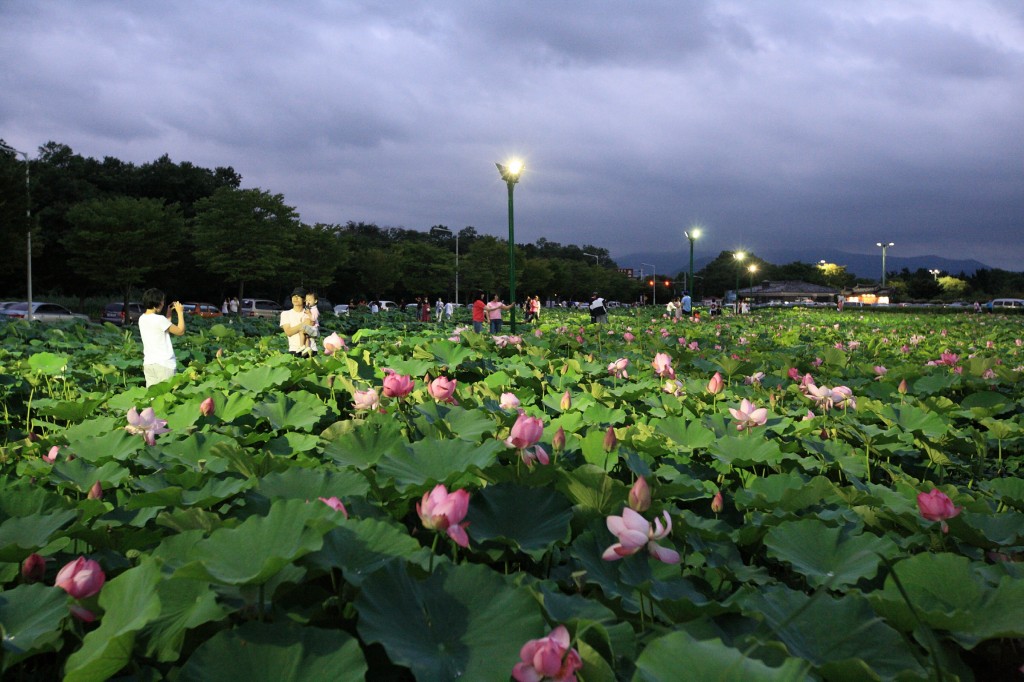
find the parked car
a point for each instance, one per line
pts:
(201, 309)
(1005, 304)
(114, 313)
(260, 307)
(43, 312)
(341, 309)
(388, 305)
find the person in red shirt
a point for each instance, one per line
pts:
(478, 313)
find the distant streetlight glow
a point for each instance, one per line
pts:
(510, 174)
(885, 248)
(739, 256)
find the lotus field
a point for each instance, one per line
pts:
(791, 495)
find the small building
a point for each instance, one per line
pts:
(788, 292)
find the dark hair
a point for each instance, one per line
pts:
(152, 299)
(299, 291)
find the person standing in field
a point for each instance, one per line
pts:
(494, 309)
(479, 313)
(292, 323)
(158, 361)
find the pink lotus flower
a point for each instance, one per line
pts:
(880, 372)
(748, 416)
(51, 456)
(610, 441)
(525, 432)
(397, 385)
(548, 658)
(936, 506)
(33, 568)
(82, 578)
(717, 503)
(794, 374)
(508, 401)
(754, 379)
(694, 346)
(948, 359)
(618, 368)
(640, 496)
(443, 511)
(335, 504)
(566, 402)
(635, 532)
(628, 337)
(146, 424)
(715, 384)
(558, 440)
(366, 400)
(333, 343)
(535, 454)
(662, 365)
(206, 408)
(442, 389)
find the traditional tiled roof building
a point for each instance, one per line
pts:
(784, 291)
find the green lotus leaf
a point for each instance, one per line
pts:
(459, 622)
(83, 474)
(184, 606)
(21, 535)
(198, 451)
(364, 446)
(361, 546)
(67, 410)
(591, 489)
(827, 556)
(262, 378)
(309, 484)
(1009, 490)
(435, 461)
(530, 519)
(117, 445)
(710, 659)
(129, 602)
(299, 410)
(688, 435)
(451, 354)
(746, 451)
(49, 364)
(789, 492)
(30, 619)
(280, 652)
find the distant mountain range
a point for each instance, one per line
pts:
(861, 265)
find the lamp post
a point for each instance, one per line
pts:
(456, 235)
(597, 258)
(935, 274)
(691, 236)
(884, 247)
(654, 285)
(510, 174)
(752, 268)
(28, 222)
(739, 256)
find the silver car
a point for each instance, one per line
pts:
(43, 312)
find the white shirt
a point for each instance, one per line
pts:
(449, 309)
(291, 318)
(597, 303)
(156, 342)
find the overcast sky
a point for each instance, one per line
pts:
(796, 122)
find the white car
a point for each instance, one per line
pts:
(42, 312)
(341, 309)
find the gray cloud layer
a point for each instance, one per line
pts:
(837, 123)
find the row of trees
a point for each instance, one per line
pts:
(101, 226)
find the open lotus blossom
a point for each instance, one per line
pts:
(442, 389)
(794, 374)
(662, 365)
(525, 432)
(936, 506)
(748, 416)
(618, 368)
(948, 359)
(715, 384)
(397, 385)
(333, 343)
(335, 504)
(33, 568)
(635, 532)
(51, 456)
(207, 408)
(444, 512)
(693, 345)
(82, 578)
(508, 401)
(535, 454)
(754, 379)
(828, 398)
(366, 400)
(842, 396)
(146, 424)
(548, 658)
(640, 496)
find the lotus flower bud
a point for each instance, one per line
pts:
(717, 503)
(566, 401)
(640, 496)
(33, 568)
(902, 388)
(715, 384)
(207, 407)
(610, 441)
(95, 492)
(558, 441)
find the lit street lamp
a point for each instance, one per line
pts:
(739, 256)
(456, 234)
(654, 283)
(28, 221)
(884, 247)
(691, 236)
(510, 174)
(935, 274)
(752, 268)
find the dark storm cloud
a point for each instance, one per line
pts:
(839, 123)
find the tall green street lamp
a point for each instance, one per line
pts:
(739, 256)
(885, 247)
(28, 220)
(752, 268)
(691, 235)
(510, 174)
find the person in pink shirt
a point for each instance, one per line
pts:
(493, 310)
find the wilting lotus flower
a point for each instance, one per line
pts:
(715, 384)
(754, 379)
(333, 343)
(206, 408)
(82, 578)
(880, 372)
(33, 568)
(443, 511)
(442, 389)
(618, 368)
(566, 401)
(558, 440)
(640, 496)
(673, 386)
(397, 385)
(842, 396)
(335, 504)
(548, 658)
(748, 416)
(794, 374)
(635, 532)
(51, 456)
(936, 506)
(366, 400)
(693, 345)
(662, 365)
(535, 454)
(525, 432)
(508, 401)
(717, 503)
(146, 424)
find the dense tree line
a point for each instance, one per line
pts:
(106, 227)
